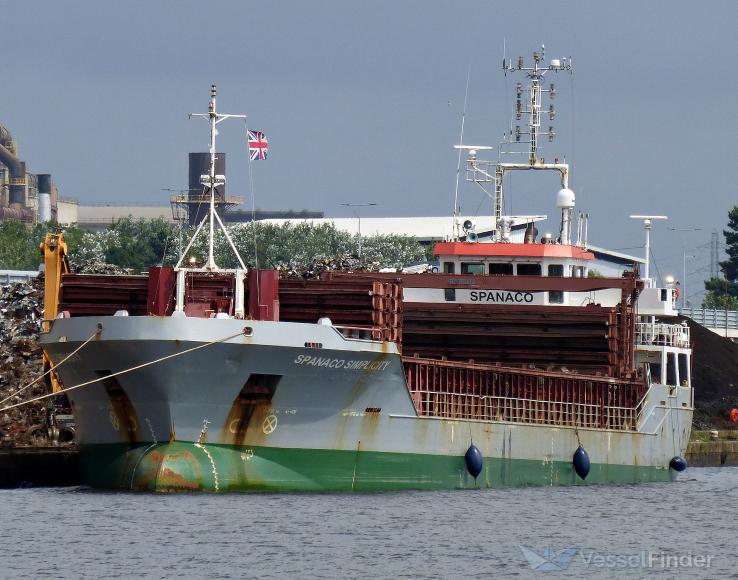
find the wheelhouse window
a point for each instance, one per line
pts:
(505, 269)
(449, 268)
(472, 268)
(555, 297)
(529, 269)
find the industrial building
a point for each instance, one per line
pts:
(29, 197)
(188, 206)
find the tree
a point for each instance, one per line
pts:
(301, 243)
(138, 244)
(730, 266)
(16, 247)
(720, 301)
(723, 293)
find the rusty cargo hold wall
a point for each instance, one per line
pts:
(458, 390)
(369, 307)
(592, 339)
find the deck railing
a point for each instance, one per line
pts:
(659, 334)
(513, 410)
(489, 393)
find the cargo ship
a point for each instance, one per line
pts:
(512, 365)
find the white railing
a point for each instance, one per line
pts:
(519, 410)
(659, 334)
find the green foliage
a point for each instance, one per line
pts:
(724, 293)
(721, 293)
(16, 247)
(269, 245)
(20, 244)
(720, 301)
(138, 244)
(730, 266)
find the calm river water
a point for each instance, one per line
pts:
(679, 530)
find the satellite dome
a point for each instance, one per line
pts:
(565, 198)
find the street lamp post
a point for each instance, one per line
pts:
(353, 207)
(684, 277)
(647, 225)
(684, 261)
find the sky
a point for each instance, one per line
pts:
(362, 103)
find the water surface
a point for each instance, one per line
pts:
(80, 533)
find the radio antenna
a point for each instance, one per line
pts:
(455, 225)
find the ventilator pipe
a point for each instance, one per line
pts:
(16, 168)
(565, 200)
(16, 213)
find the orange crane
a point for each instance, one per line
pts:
(56, 263)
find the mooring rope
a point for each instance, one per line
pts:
(53, 368)
(124, 371)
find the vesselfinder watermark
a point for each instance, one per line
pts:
(550, 560)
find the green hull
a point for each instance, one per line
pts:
(185, 466)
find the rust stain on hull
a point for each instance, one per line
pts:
(123, 414)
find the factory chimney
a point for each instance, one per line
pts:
(44, 197)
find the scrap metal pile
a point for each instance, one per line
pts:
(97, 267)
(318, 267)
(21, 314)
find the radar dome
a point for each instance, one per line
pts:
(565, 198)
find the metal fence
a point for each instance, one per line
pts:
(14, 276)
(515, 410)
(712, 317)
(463, 390)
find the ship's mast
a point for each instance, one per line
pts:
(210, 183)
(528, 102)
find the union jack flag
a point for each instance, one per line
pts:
(258, 146)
